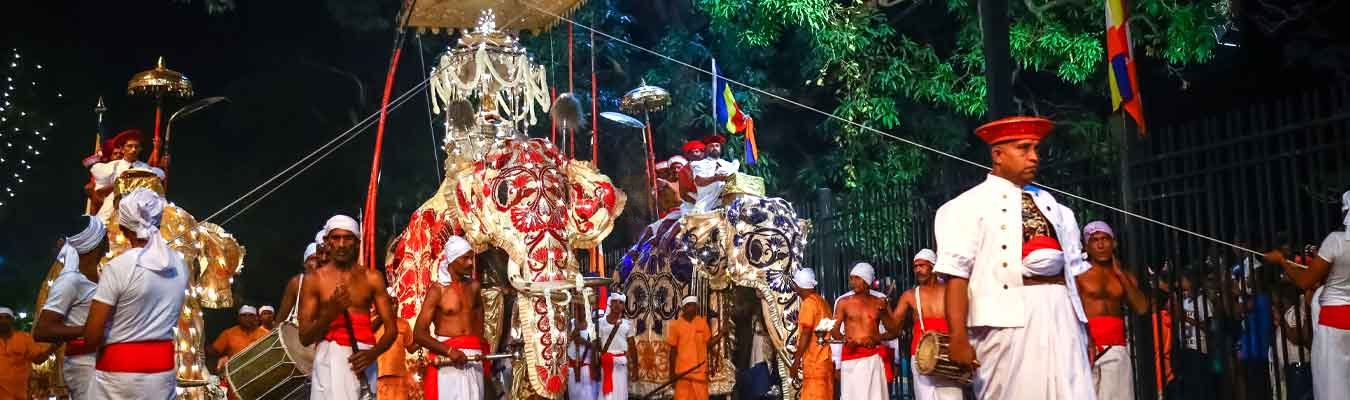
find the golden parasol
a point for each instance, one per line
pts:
(159, 83)
(647, 99)
(524, 15)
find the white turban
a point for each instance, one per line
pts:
(805, 278)
(140, 211)
(310, 250)
(616, 296)
(244, 310)
(926, 254)
(1345, 208)
(6, 311)
(82, 243)
(688, 300)
(264, 309)
(342, 222)
(455, 247)
(863, 270)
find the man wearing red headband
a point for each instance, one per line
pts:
(1010, 253)
(711, 173)
(128, 145)
(693, 152)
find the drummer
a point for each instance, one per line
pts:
(136, 307)
(1106, 289)
(452, 305)
(63, 314)
(313, 257)
(927, 301)
(236, 338)
(267, 317)
(334, 312)
(865, 361)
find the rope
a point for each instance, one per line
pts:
(431, 129)
(875, 131)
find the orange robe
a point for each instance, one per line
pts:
(234, 340)
(690, 340)
(394, 382)
(817, 366)
(16, 359)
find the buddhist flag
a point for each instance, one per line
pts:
(1120, 67)
(728, 116)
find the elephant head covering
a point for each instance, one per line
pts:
(805, 278)
(140, 212)
(865, 271)
(926, 255)
(455, 247)
(81, 243)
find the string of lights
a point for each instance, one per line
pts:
(23, 130)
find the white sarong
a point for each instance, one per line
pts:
(620, 389)
(583, 389)
(78, 372)
(1112, 374)
(931, 388)
(461, 383)
(863, 379)
(131, 385)
(1330, 357)
(1045, 359)
(332, 377)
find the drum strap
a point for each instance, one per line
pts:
(293, 317)
(918, 305)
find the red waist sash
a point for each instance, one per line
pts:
(337, 330)
(1106, 331)
(855, 353)
(607, 372)
(1335, 316)
(933, 324)
(1038, 243)
(79, 347)
(139, 357)
(431, 382)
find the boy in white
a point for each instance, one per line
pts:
(616, 341)
(67, 306)
(138, 301)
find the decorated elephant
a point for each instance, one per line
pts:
(524, 199)
(754, 243)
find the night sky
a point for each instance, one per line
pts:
(296, 77)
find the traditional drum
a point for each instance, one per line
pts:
(933, 358)
(274, 367)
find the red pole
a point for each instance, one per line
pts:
(595, 131)
(154, 153)
(368, 217)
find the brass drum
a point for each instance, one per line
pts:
(269, 369)
(933, 358)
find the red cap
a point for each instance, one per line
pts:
(691, 146)
(124, 136)
(714, 138)
(1014, 128)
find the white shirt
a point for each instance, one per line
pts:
(1337, 287)
(979, 237)
(69, 296)
(148, 303)
(106, 173)
(1291, 353)
(620, 342)
(708, 195)
(575, 349)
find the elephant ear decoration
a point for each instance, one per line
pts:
(595, 204)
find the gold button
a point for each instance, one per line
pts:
(1003, 227)
(1005, 265)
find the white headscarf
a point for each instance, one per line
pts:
(455, 247)
(616, 296)
(140, 211)
(688, 300)
(342, 222)
(310, 250)
(264, 309)
(1345, 208)
(805, 278)
(82, 243)
(243, 310)
(863, 270)
(6, 311)
(926, 254)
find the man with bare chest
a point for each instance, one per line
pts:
(1106, 288)
(865, 365)
(453, 306)
(334, 312)
(927, 301)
